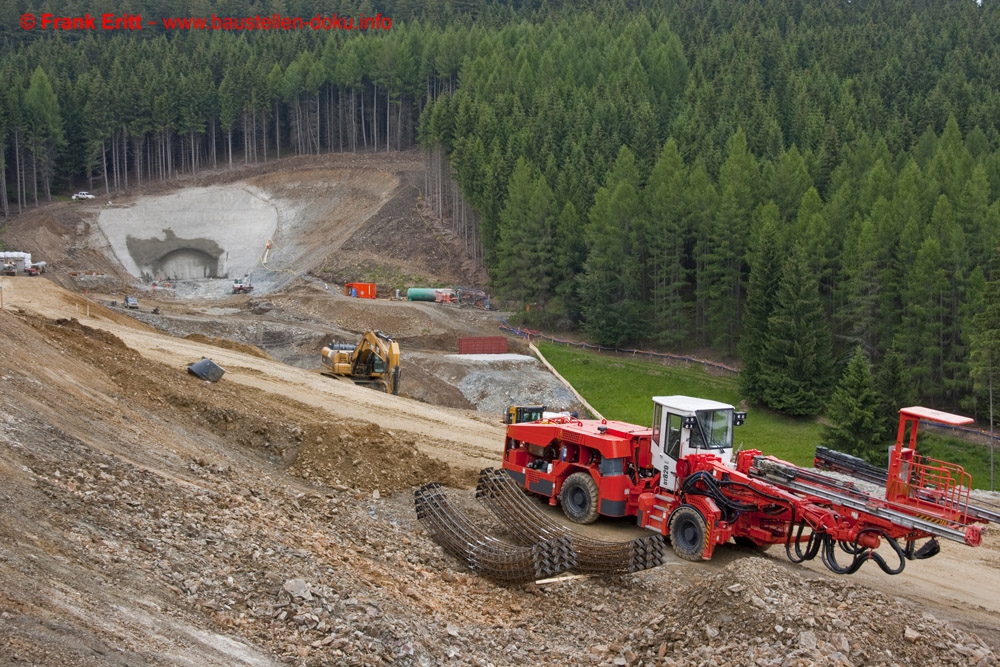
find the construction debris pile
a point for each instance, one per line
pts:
(364, 456)
(758, 612)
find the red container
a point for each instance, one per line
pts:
(360, 290)
(482, 345)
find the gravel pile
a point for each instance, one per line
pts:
(757, 612)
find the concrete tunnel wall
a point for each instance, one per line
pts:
(186, 264)
(175, 258)
(211, 232)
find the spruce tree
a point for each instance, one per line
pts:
(666, 202)
(854, 428)
(894, 393)
(985, 361)
(45, 129)
(725, 256)
(704, 203)
(766, 253)
(609, 292)
(524, 254)
(796, 372)
(568, 255)
(787, 180)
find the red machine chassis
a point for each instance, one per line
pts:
(760, 499)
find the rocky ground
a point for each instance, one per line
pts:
(154, 518)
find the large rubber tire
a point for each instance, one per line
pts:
(688, 532)
(579, 498)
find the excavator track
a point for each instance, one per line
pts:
(483, 553)
(529, 525)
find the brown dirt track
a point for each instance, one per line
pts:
(153, 518)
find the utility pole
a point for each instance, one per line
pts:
(992, 440)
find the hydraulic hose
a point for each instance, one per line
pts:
(931, 548)
(830, 558)
(862, 554)
(711, 489)
(874, 555)
(812, 546)
(704, 483)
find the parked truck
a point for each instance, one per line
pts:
(242, 285)
(680, 478)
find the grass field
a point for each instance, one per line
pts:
(622, 388)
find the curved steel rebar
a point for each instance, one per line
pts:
(483, 553)
(499, 493)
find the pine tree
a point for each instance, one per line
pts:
(853, 427)
(796, 372)
(894, 393)
(610, 295)
(666, 202)
(766, 253)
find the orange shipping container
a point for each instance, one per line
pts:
(360, 290)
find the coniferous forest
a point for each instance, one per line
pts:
(800, 187)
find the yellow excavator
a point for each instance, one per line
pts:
(373, 362)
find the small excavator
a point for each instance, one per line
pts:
(373, 362)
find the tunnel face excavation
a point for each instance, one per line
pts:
(175, 258)
(268, 228)
(196, 233)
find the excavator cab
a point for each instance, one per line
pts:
(683, 425)
(518, 414)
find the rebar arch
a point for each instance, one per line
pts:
(483, 553)
(515, 510)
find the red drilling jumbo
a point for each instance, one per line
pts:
(679, 478)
